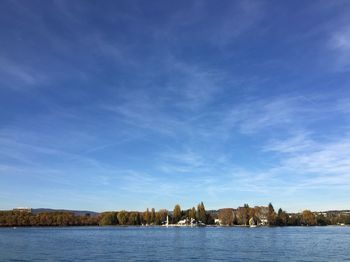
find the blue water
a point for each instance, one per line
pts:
(175, 244)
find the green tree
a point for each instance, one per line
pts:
(347, 219)
(271, 215)
(294, 220)
(201, 215)
(282, 218)
(209, 219)
(322, 220)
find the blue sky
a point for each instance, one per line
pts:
(109, 105)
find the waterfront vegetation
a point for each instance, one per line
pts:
(242, 216)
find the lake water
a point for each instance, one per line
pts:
(170, 244)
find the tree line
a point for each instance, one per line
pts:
(267, 216)
(20, 218)
(226, 216)
(152, 217)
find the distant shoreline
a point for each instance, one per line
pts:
(243, 216)
(168, 227)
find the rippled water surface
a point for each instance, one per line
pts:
(170, 244)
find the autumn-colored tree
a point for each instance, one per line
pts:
(147, 217)
(123, 217)
(64, 218)
(308, 218)
(161, 216)
(177, 213)
(251, 214)
(246, 211)
(192, 213)
(243, 215)
(158, 219)
(240, 216)
(20, 218)
(260, 214)
(134, 218)
(108, 218)
(153, 216)
(226, 216)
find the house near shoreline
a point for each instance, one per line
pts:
(23, 209)
(186, 222)
(261, 213)
(218, 221)
(190, 222)
(183, 222)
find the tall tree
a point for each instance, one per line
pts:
(163, 214)
(246, 211)
(177, 213)
(271, 216)
(158, 218)
(147, 217)
(153, 216)
(192, 213)
(201, 215)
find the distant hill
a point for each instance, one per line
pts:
(75, 212)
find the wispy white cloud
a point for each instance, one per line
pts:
(141, 111)
(15, 75)
(295, 144)
(339, 43)
(311, 163)
(196, 85)
(254, 116)
(327, 158)
(183, 162)
(28, 150)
